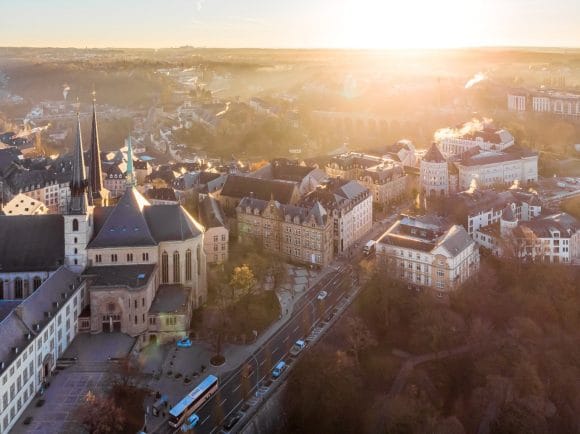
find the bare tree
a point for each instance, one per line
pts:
(359, 337)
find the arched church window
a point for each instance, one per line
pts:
(164, 268)
(176, 270)
(75, 225)
(18, 287)
(36, 282)
(188, 266)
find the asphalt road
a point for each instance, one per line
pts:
(307, 312)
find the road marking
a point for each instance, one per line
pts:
(222, 403)
(286, 338)
(212, 431)
(237, 388)
(296, 329)
(275, 349)
(203, 421)
(263, 361)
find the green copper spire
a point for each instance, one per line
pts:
(130, 172)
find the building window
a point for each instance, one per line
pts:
(75, 225)
(18, 287)
(145, 256)
(188, 265)
(114, 257)
(135, 319)
(36, 282)
(164, 268)
(176, 270)
(98, 259)
(129, 257)
(198, 258)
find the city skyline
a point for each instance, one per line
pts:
(367, 24)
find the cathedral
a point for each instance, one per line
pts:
(144, 264)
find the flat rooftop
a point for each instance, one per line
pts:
(131, 276)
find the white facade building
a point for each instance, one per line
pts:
(35, 332)
(420, 251)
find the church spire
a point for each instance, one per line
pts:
(130, 177)
(95, 169)
(78, 184)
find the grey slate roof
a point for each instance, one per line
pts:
(125, 225)
(211, 214)
(42, 300)
(316, 210)
(455, 240)
(170, 299)
(134, 222)
(171, 223)
(130, 276)
(434, 155)
(31, 243)
(21, 320)
(244, 186)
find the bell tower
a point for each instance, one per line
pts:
(78, 217)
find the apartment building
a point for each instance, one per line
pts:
(481, 208)
(425, 253)
(487, 139)
(489, 168)
(216, 236)
(350, 206)
(384, 177)
(34, 333)
(302, 234)
(560, 103)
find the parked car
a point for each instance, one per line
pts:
(322, 295)
(297, 347)
(184, 343)
(190, 422)
(278, 369)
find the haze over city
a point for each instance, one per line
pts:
(367, 24)
(290, 217)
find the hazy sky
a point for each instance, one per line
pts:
(290, 23)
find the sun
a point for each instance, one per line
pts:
(400, 24)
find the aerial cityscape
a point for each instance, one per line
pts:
(290, 217)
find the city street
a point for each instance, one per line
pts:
(308, 311)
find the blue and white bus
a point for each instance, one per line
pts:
(193, 400)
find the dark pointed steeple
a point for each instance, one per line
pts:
(95, 169)
(78, 184)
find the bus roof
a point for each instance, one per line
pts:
(193, 395)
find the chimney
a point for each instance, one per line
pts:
(2, 365)
(15, 350)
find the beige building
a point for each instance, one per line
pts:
(422, 252)
(24, 205)
(384, 177)
(301, 234)
(145, 257)
(216, 237)
(349, 205)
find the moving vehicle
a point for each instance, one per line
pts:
(190, 423)
(322, 295)
(369, 247)
(278, 369)
(232, 421)
(184, 343)
(193, 400)
(297, 347)
(159, 405)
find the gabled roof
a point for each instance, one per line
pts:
(455, 240)
(210, 213)
(125, 225)
(434, 155)
(171, 223)
(245, 186)
(31, 243)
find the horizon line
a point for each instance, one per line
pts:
(474, 47)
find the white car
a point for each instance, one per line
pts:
(322, 295)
